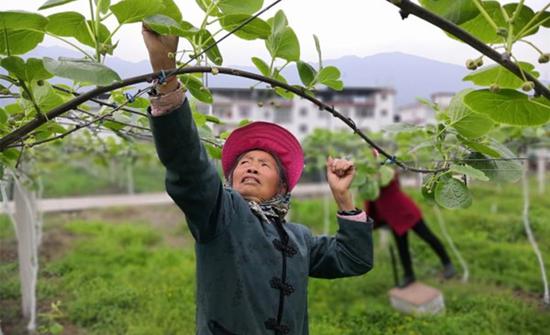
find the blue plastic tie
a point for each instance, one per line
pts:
(162, 77)
(129, 97)
(391, 160)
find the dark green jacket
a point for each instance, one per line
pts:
(251, 277)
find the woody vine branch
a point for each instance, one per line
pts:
(34, 124)
(407, 7)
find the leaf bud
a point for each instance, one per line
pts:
(544, 58)
(260, 104)
(171, 55)
(501, 31)
(215, 70)
(479, 61)
(494, 88)
(40, 82)
(527, 86)
(471, 64)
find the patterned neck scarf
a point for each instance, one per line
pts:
(272, 210)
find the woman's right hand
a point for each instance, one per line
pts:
(162, 51)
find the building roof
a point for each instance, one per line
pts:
(325, 94)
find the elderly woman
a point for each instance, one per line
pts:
(252, 265)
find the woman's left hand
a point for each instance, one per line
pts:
(340, 173)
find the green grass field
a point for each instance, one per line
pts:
(131, 271)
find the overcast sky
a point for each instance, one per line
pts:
(345, 27)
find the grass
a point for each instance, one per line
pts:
(119, 274)
(69, 180)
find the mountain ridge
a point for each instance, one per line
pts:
(409, 75)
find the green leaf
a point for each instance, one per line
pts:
(128, 11)
(369, 190)
(163, 25)
(480, 147)
(33, 69)
(171, 10)
(469, 171)
(213, 151)
(524, 17)
(329, 73)
(73, 24)
(206, 40)
(428, 192)
(499, 75)
(278, 22)
(11, 154)
(254, 29)
(281, 91)
(456, 11)
(45, 97)
(284, 44)
(120, 117)
(3, 116)
(103, 5)
(509, 107)
(53, 3)
(20, 31)
(307, 73)
(240, 6)
(481, 28)
(261, 66)
(358, 180)
(545, 19)
(318, 48)
(47, 129)
(81, 70)
(503, 169)
(18, 20)
(451, 193)
(199, 118)
(330, 76)
(115, 126)
(196, 88)
(386, 175)
(206, 4)
(466, 122)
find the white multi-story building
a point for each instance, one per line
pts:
(420, 114)
(370, 108)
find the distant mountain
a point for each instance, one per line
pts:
(411, 76)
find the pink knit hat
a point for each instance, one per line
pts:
(268, 137)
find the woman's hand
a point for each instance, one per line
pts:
(340, 173)
(162, 51)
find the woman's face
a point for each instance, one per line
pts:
(256, 176)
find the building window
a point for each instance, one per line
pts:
(222, 111)
(364, 112)
(303, 111)
(244, 111)
(383, 96)
(303, 128)
(203, 109)
(283, 115)
(384, 112)
(396, 118)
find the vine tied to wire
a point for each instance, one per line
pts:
(406, 8)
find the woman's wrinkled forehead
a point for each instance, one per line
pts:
(274, 158)
(258, 154)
